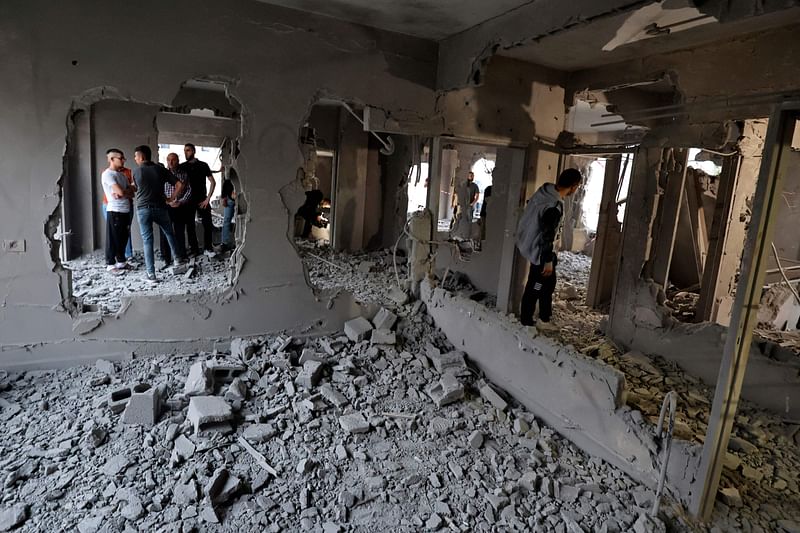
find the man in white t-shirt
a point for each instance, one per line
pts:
(118, 192)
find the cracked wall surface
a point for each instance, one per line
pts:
(277, 60)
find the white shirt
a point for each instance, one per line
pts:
(118, 205)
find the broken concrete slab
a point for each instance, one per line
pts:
(452, 362)
(144, 406)
(310, 375)
(244, 349)
(13, 517)
(730, 496)
(118, 399)
(354, 423)
(446, 391)
(357, 329)
(259, 432)
(333, 396)
(199, 380)
(384, 319)
(207, 411)
(222, 485)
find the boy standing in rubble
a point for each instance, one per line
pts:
(536, 234)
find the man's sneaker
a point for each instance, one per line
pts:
(166, 266)
(117, 271)
(152, 279)
(210, 253)
(109, 268)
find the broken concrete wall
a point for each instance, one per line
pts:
(350, 198)
(395, 190)
(579, 397)
(491, 111)
(277, 62)
(638, 319)
(700, 75)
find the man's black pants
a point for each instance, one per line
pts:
(191, 228)
(538, 289)
(118, 231)
(178, 216)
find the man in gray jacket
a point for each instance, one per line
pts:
(535, 236)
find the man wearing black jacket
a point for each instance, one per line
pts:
(536, 234)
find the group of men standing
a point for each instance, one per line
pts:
(167, 197)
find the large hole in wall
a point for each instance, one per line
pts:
(351, 199)
(203, 115)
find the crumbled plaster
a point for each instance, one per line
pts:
(661, 14)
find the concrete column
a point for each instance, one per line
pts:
(726, 191)
(351, 185)
(718, 303)
(606, 247)
(636, 238)
(672, 181)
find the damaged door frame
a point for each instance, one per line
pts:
(781, 127)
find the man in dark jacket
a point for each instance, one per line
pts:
(536, 234)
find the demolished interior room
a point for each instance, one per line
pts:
(343, 347)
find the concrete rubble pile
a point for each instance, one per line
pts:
(385, 426)
(288, 433)
(94, 287)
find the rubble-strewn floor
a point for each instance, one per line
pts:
(763, 461)
(70, 462)
(95, 286)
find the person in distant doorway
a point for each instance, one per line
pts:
(129, 247)
(536, 234)
(198, 172)
(229, 206)
(178, 212)
(151, 205)
(310, 212)
(464, 199)
(118, 192)
(487, 193)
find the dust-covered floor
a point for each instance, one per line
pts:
(339, 433)
(96, 288)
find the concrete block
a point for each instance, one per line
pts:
(357, 329)
(118, 399)
(309, 354)
(489, 394)
(475, 439)
(237, 390)
(224, 370)
(206, 411)
(730, 496)
(199, 381)
(446, 391)
(13, 517)
(365, 267)
(333, 396)
(144, 406)
(385, 319)
(383, 336)
(310, 375)
(184, 448)
(222, 486)
(259, 432)
(354, 423)
(244, 349)
(452, 362)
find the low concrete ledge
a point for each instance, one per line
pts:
(581, 398)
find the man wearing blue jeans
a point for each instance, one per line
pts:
(151, 204)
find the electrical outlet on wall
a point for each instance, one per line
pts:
(14, 245)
